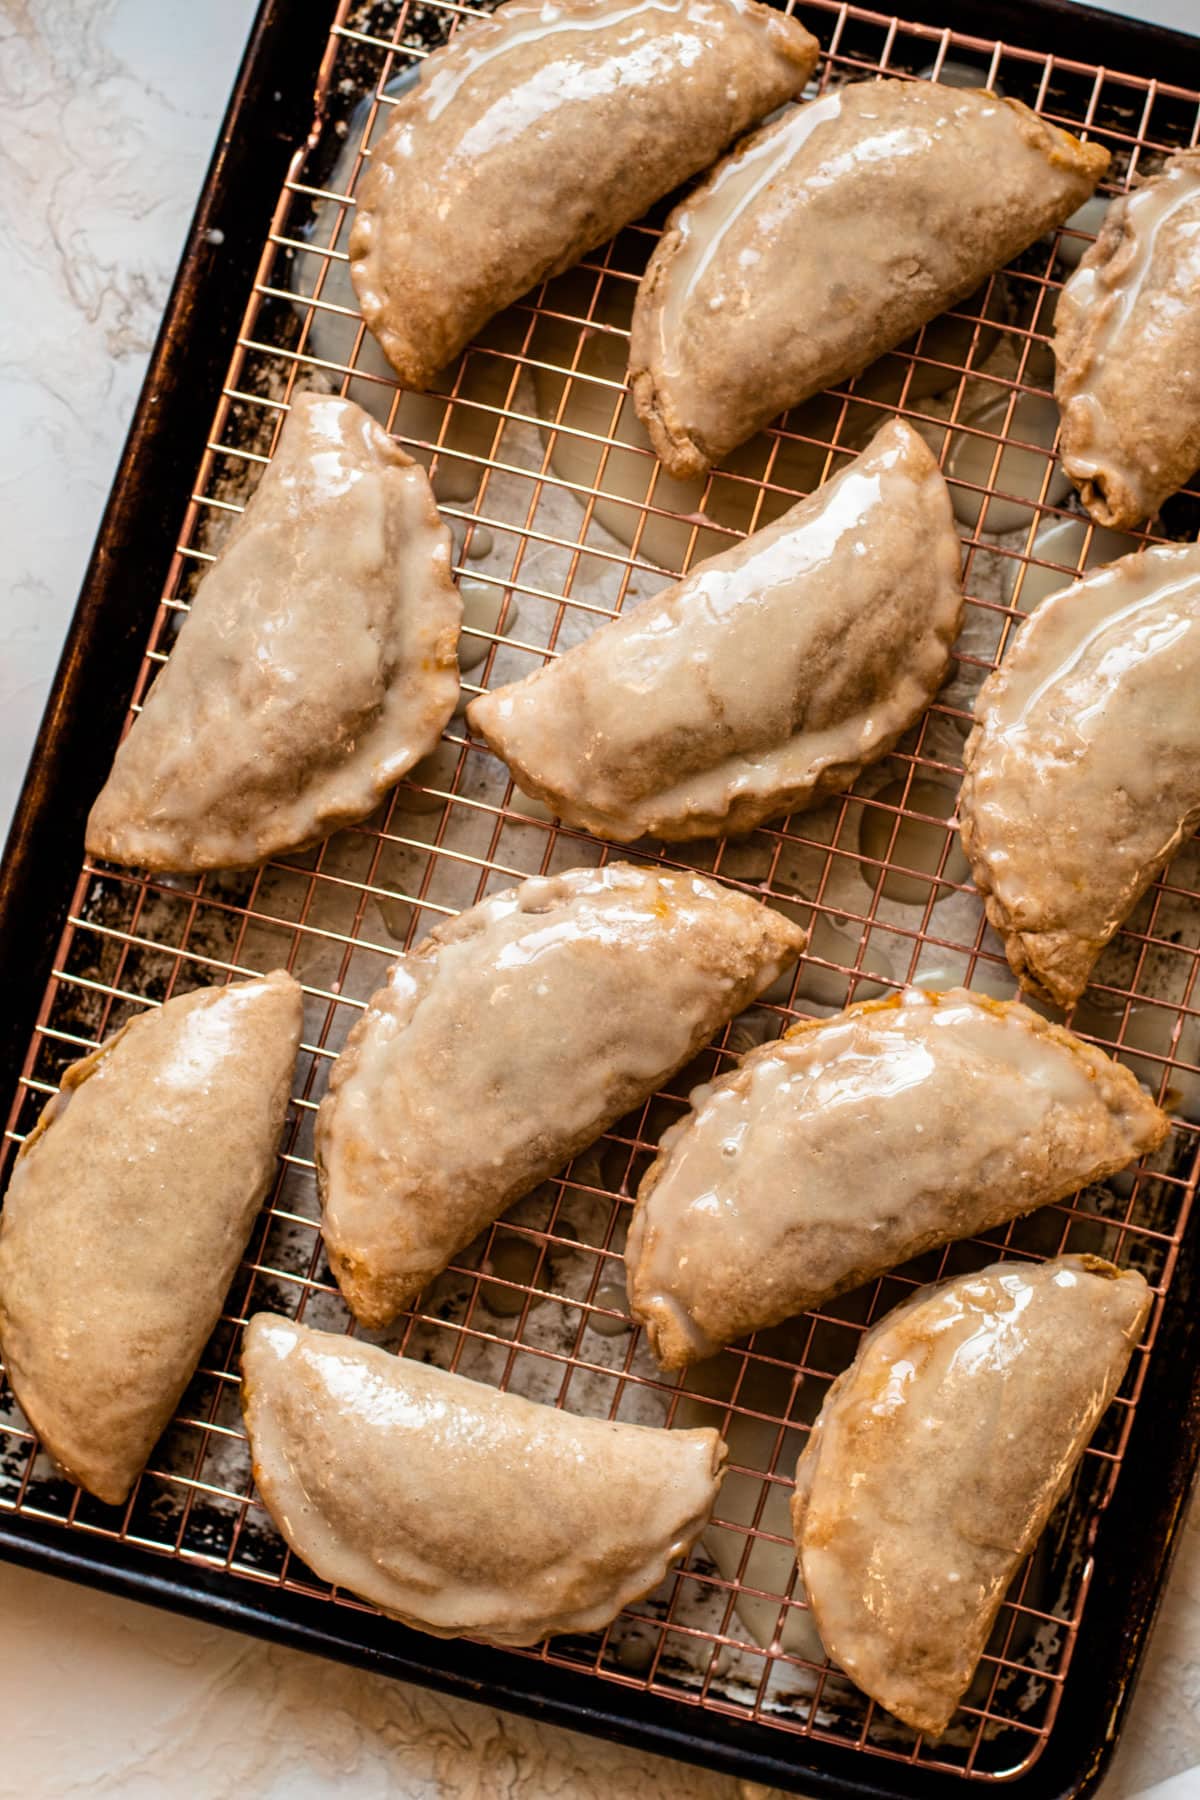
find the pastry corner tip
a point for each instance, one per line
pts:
(1108, 501)
(679, 453)
(1097, 159)
(786, 932)
(288, 990)
(375, 1302)
(795, 42)
(479, 716)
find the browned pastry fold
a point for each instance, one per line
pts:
(857, 1142)
(938, 1459)
(768, 677)
(461, 1510)
(535, 135)
(1082, 774)
(129, 1207)
(829, 237)
(317, 665)
(1127, 343)
(513, 1036)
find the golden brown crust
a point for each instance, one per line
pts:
(682, 455)
(1053, 966)
(745, 813)
(1062, 149)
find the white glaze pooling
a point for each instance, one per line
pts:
(128, 1209)
(764, 680)
(938, 1458)
(749, 175)
(1083, 770)
(510, 1039)
(1128, 349)
(536, 134)
(828, 238)
(854, 1144)
(317, 665)
(461, 1510)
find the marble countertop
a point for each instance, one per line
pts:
(109, 109)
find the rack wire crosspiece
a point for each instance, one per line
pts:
(562, 516)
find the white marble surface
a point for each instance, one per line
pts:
(108, 110)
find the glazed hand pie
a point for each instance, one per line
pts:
(766, 679)
(128, 1210)
(317, 665)
(829, 237)
(1127, 343)
(938, 1458)
(456, 1508)
(1082, 775)
(535, 135)
(513, 1036)
(856, 1142)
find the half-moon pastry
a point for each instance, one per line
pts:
(535, 135)
(856, 1142)
(829, 237)
(766, 679)
(938, 1458)
(317, 665)
(1127, 344)
(456, 1508)
(513, 1036)
(129, 1206)
(1082, 774)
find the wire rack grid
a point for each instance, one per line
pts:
(561, 516)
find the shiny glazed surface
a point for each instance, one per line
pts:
(1128, 348)
(827, 238)
(459, 1509)
(859, 1141)
(129, 1207)
(1082, 775)
(939, 1456)
(767, 678)
(534, 136)
(317, 665)
(508, 1040)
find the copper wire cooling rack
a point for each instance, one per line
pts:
(561, 517)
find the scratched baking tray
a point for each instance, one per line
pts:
(561, 517)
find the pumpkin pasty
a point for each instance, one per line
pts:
(129, 1207)
(511, 1038)
(456, 1508)
(857, 1142)
(767, 678)
(317, 665)
(938, 1458)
